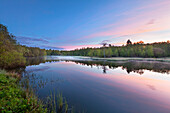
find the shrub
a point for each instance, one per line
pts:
(12, 59)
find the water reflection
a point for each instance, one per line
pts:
(129, 66)
(100, 86)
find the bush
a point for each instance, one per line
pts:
(12, 59)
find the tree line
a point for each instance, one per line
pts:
(12, 54)
(136, 49)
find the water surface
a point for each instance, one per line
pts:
(102, 86)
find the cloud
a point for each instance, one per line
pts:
(72, 47)
(135, 23)
(104, 42)
(139, 23)
(28, 40)
(51, 47)
(37, 42)
(151, 22)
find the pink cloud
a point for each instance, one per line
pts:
(151, 22)
(136, 21)
(72, 47)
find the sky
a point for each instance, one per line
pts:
(71, 24)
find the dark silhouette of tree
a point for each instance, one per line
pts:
(104, 44)
(128, 42)
(104, 69)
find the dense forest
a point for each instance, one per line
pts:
(137, 49)
(12, 54)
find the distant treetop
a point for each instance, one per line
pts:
(128, 42)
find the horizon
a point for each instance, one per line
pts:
(100, 46)
(66, 25)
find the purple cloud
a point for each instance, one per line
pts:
(151, 22)
(51, 47)
(27, 40)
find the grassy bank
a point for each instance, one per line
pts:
(13, 99)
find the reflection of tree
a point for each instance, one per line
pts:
(130, 66)
(38, 60)
(139, 71)
(104, 69)
(32, 61)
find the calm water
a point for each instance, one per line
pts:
(104, 87)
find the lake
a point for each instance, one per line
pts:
(96, 86)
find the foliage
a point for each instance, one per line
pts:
(11, 59)
(14, 100)
(52, 52)
(17, 96)
(11, 53)
(139, 49)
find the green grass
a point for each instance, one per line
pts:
(16, 99)
(60, 107)
(13, 99)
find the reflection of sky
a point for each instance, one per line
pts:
(115, 91)
(74, 24)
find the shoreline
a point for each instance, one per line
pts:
(58, 57)
(167, 59)
(15, 98)
(20, 97)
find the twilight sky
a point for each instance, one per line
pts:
(70, 24)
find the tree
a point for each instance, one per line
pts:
(13, 54)
(104, 45)
(138, 49)
(149, 51)
(158, 52)
(122, 52)
(140, 42)
(109, 52)
(90, 53)
(128, 42)
(115, 53)
(141, 52)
